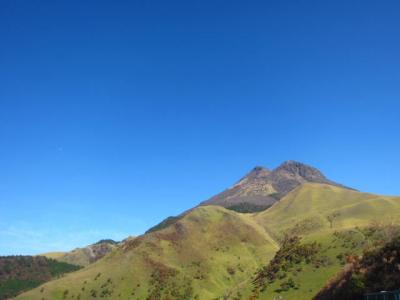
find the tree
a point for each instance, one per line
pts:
(332, 217)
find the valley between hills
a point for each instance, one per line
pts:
(287, 233)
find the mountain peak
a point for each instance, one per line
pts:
(294, 163)
(302, 170)
(291, 162)
(260, 188)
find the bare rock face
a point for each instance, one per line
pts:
(98, 250)
(261, 188)
(253, 190)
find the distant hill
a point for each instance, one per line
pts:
(20, 273)
(261, 188)
(294, 248)
(86, 255)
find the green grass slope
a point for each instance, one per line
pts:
(204, 255)
(314, 208)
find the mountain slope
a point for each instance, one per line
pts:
(211, 252)
(261, 187)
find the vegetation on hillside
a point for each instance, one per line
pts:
(286, 263)
(248, 207)
(20, 273)
(377, 269)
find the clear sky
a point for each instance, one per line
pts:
(117, 114)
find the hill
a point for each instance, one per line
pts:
(86, 255)
(19, 273)
(261, 188)
(202, 255)
(213, 253)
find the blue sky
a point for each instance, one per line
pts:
(116, 114)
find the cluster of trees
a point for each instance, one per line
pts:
(248, 207)
(21, 273)
(168, 283)
(287, 260)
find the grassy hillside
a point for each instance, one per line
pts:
(314, 208)
(213, 253)
(203, 255)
